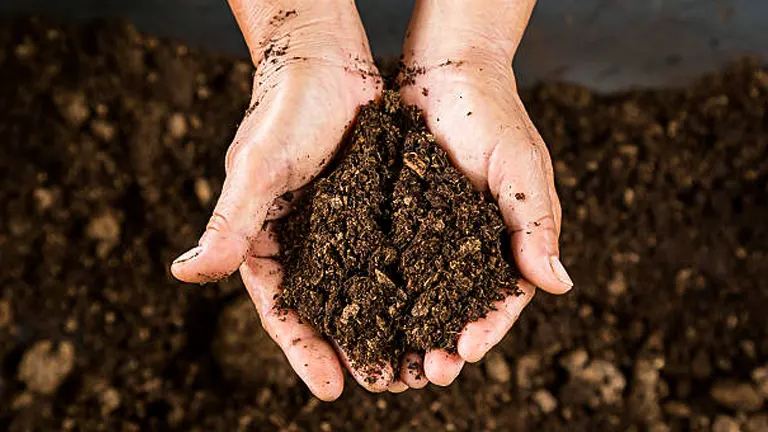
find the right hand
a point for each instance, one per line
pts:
(314, 71)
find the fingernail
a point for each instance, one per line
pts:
(559, 271)
(188, 255)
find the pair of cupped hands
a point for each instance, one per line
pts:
(314, 70)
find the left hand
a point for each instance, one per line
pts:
(470, 102)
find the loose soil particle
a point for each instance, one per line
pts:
(393, 249)
(690, 246)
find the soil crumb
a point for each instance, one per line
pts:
(45, 366)
(393, 249)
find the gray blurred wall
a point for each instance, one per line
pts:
(604, 44)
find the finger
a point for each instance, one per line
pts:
(279, 209)
(478, 337)
(282, 206)
(412, 371)
(375, 378)
(557, 209)
(517, 176)
(253, 182)
(313, 358)
(266, 244)
(441, 367)
(397, 387)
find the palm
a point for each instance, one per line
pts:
(477, 117)
(467, 115)
(299, 112)
(297, 118)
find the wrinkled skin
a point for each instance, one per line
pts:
(467, 90)
(305, 99)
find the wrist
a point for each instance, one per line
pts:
(466, 31)
(328, 29)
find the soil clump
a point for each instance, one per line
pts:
(393, 249)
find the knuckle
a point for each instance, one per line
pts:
(233, 155)
(544, 223)
(259, 168)
(218, 222)
(242, 154)
(538, 155)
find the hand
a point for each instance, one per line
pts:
(465, 85)
(314, 70)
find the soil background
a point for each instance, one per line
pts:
(112, 156)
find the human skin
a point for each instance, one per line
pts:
(314, 71)
(305, 98)
(468, 94)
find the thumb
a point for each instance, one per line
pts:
(246, 196)
(519, 178)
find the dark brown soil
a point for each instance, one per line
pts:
(112, 156)
(394, 249)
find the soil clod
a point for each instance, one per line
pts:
(393, 249)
